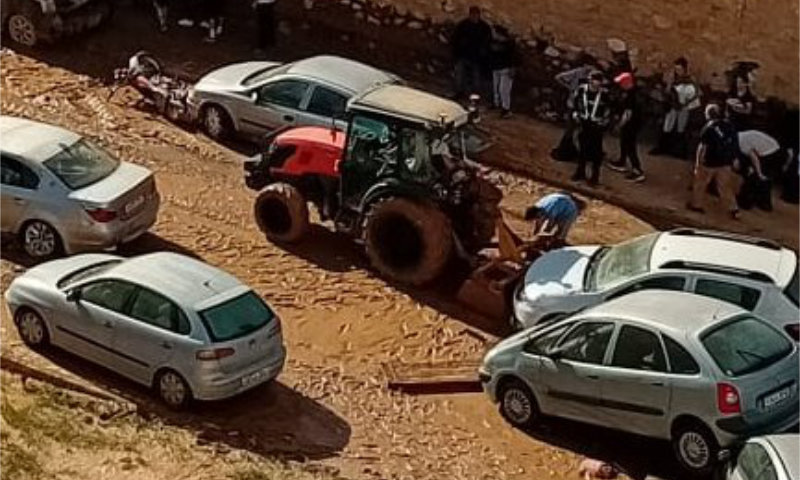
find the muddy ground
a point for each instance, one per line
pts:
(329, 410)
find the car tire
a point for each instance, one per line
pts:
(695, 447)
(408, 241)
(216, 122)
(23, 25)
(40, 240)
(518, 404)
(31, 328)
(281, 213)
(172, 389)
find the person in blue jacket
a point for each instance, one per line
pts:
(554, 214)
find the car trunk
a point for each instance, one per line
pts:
(770, 393)
(127, 191)
(252, 349)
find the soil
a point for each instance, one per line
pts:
(330, 408)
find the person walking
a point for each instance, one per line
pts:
(714, 161)
(570, 80)
(684, 98)
(162, 9)
(266, 24)
(215, 17)
(593, 113)
(504, 62)
(471, 42)
(630, 123)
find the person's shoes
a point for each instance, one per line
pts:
(691, 207)
(617, 166)
(637, 177)
(505, 114)
(209, 39)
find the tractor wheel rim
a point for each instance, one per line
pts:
(40, 241)
(214, 122)
(172, 389)
(694, 450)
(31, 328)
(22, 30)
(517, 405)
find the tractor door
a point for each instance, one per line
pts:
(372, 151)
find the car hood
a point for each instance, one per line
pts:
(230, 77)
(125, 178)
(53, 271)
(558, 273)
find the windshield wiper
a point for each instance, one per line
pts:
(745, 353)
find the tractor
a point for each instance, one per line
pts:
(397, 179)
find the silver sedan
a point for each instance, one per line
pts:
(252, 98)
(62, 193)
(189, 330)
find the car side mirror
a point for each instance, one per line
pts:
(254, 96)
(74, 295)
(555, 354)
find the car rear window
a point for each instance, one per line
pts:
(261, 75)
(237, 317)
(86, 272)
(81, 164)
(745, 345)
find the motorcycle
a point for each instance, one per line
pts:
(165, 94)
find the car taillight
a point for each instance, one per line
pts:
(215, 354)
(793, 330)
(728, 399)
(101, 215)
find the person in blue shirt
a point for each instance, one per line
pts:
(553, 215)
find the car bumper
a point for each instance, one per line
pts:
(734, 429)
(222, 387)
(94, 236)
(488, 384)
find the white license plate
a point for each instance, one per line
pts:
(133, 205)
(253, 378)
(775, 398)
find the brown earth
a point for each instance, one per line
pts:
(329, 409)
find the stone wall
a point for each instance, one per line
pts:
(710, 33)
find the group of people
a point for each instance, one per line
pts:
(210, 15)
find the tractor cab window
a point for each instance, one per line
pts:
(415, 151)
(371, 142)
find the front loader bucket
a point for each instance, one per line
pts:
(489, 289)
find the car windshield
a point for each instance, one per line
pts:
(236, 317)
(791, 290)
(745, 345)
(263, 74)
(612, 265)
(81, 164)
(86, 272)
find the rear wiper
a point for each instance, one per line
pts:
(745, 353)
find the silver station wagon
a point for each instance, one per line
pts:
(189, 330)
(700, 372)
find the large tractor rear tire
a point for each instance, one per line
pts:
(408, 241)
(282, 213)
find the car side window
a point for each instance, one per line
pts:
(680, 361)
(754, 463)
(639, 349)
(110, 294)
(587, 342)
(541, 344)
(13, 173)
(285, 93)
(326, 102)
(654, 283)
(740, 295)
(157, 310)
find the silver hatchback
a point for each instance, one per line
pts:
(694, 370)
(165, 320)
(61, 193)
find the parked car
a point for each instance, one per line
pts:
(757, 275)
(253, 98)
(774, 457)
(702, 373)
(189, 330)
(62, 193)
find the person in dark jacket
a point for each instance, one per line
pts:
(571, 80)
(630, 123)
(471, 43)
(265, 18)
(739, 104)
(504, 61)
(593, 113)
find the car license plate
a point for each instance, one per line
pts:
(778, 397)
(253, 378)
(134, 204)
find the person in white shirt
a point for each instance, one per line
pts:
(760, 150)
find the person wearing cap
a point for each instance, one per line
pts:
(593, 113)
(630, 123)
(716, 153)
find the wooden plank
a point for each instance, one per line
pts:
(451, 376)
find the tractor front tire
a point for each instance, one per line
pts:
(407, 241)
(281, 213)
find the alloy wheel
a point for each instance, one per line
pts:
(694, 450)
(517, 406)
(31, 328)
(213, 122)
(172, 389)
(39, 240)
(22, 30)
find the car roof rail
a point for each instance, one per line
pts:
(735, 237)
(722, 269)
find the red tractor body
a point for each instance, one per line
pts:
(310, 150)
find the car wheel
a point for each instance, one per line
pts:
(173, 390)
(22, 30)
(216, 122)
(40, 240)
(518, 404)
(695, 447)
(31, 328)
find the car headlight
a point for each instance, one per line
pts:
(191, 96)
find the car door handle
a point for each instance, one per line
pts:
(20, 201)
(592, 377)
(108, 324)
(657, 384)
(288, 118)
(166, 345)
